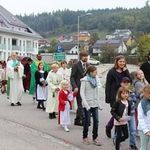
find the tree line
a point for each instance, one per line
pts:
(136, 19)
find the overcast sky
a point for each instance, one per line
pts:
(39, 6)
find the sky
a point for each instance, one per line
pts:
(38, 6)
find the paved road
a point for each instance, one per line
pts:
(26, 128)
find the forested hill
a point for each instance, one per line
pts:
(99, 20)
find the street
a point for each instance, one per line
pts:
(28, 128)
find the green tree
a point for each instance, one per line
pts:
(143, 46)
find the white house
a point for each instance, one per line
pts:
(15, 36)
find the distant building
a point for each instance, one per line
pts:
(15, 36)
(84, 36)
(43, 43)
(65, 38)
(118, 45)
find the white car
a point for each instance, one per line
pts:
(93, 61)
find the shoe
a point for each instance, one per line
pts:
(12, 104)
(50, 116)
(133, 147)
(78, 123)
(97, 142)
(43, 108)
(54, 115)
(18, 103)
(86, 141)
(66, 129)
(108, 133)
(39, 107)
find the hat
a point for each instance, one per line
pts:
(125, 79)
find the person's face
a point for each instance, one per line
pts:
(41, 67)
(55, 69)
(121, 63)
(66, 86)
(84, 58)
(64, 65)
(140, 75)
(39, 57)
(125, 84)
(94, 73)
(124, 95)
(13, 56)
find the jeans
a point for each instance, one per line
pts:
(86, 122)
(121, 134)
(144, 141)
(132, 130)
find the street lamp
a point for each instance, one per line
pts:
(78, 38)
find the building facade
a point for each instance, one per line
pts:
(15, 36)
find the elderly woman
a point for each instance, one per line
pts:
(53, 80)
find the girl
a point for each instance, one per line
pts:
(65, 97)
(41, 86)
(89, 92)
(113, 81)
(53, 79)
(144, 118)
(121, 111)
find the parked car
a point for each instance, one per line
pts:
(93, 61)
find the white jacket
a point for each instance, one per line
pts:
(143, 120)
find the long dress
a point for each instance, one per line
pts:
(16, 85)
(53, 80)
(33, 69)
(41, 91)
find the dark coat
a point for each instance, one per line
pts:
(39, 75)
(118, 109)
(113, 84)
(145, 67)
(76, 74)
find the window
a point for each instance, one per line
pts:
(14, 42)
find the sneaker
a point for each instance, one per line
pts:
(12, 104)
(108, 132)
(66, 129)
(86, 141)
(97, 142)
(133, 147)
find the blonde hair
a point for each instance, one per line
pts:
(55, 65)
(64, 82)
(120, 90)
(146, 89)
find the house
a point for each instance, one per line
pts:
(84, 36)
(118, 46)
(65, 38)
(15, 36)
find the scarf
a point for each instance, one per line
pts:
(92, 81)
(145, 103)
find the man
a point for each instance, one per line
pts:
(33, 69)
(78, 72)
(145, 67)
(15, 73)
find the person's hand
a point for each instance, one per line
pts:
(76, 90)
(121, 119)
(57, 89)
(124, 69)
(147, 133)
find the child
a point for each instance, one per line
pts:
(89, 92)
(121, 111)
(65, 97)
(131, 123)
(144, 118)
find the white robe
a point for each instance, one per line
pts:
(16, 86)
(65, 73)
(53, 80)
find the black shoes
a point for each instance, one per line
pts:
(108, 133)
(133, 147)
(12, 104)
(52, 115)
(18, 103)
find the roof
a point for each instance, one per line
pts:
(11, 24)
(112, 42)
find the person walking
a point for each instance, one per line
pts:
(78, 72)
(89, 92)
(113, 80)
(41, 86)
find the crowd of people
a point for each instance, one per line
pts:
(57, 88)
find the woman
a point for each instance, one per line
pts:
(89, 92)
(41, 86)
(113, 80)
